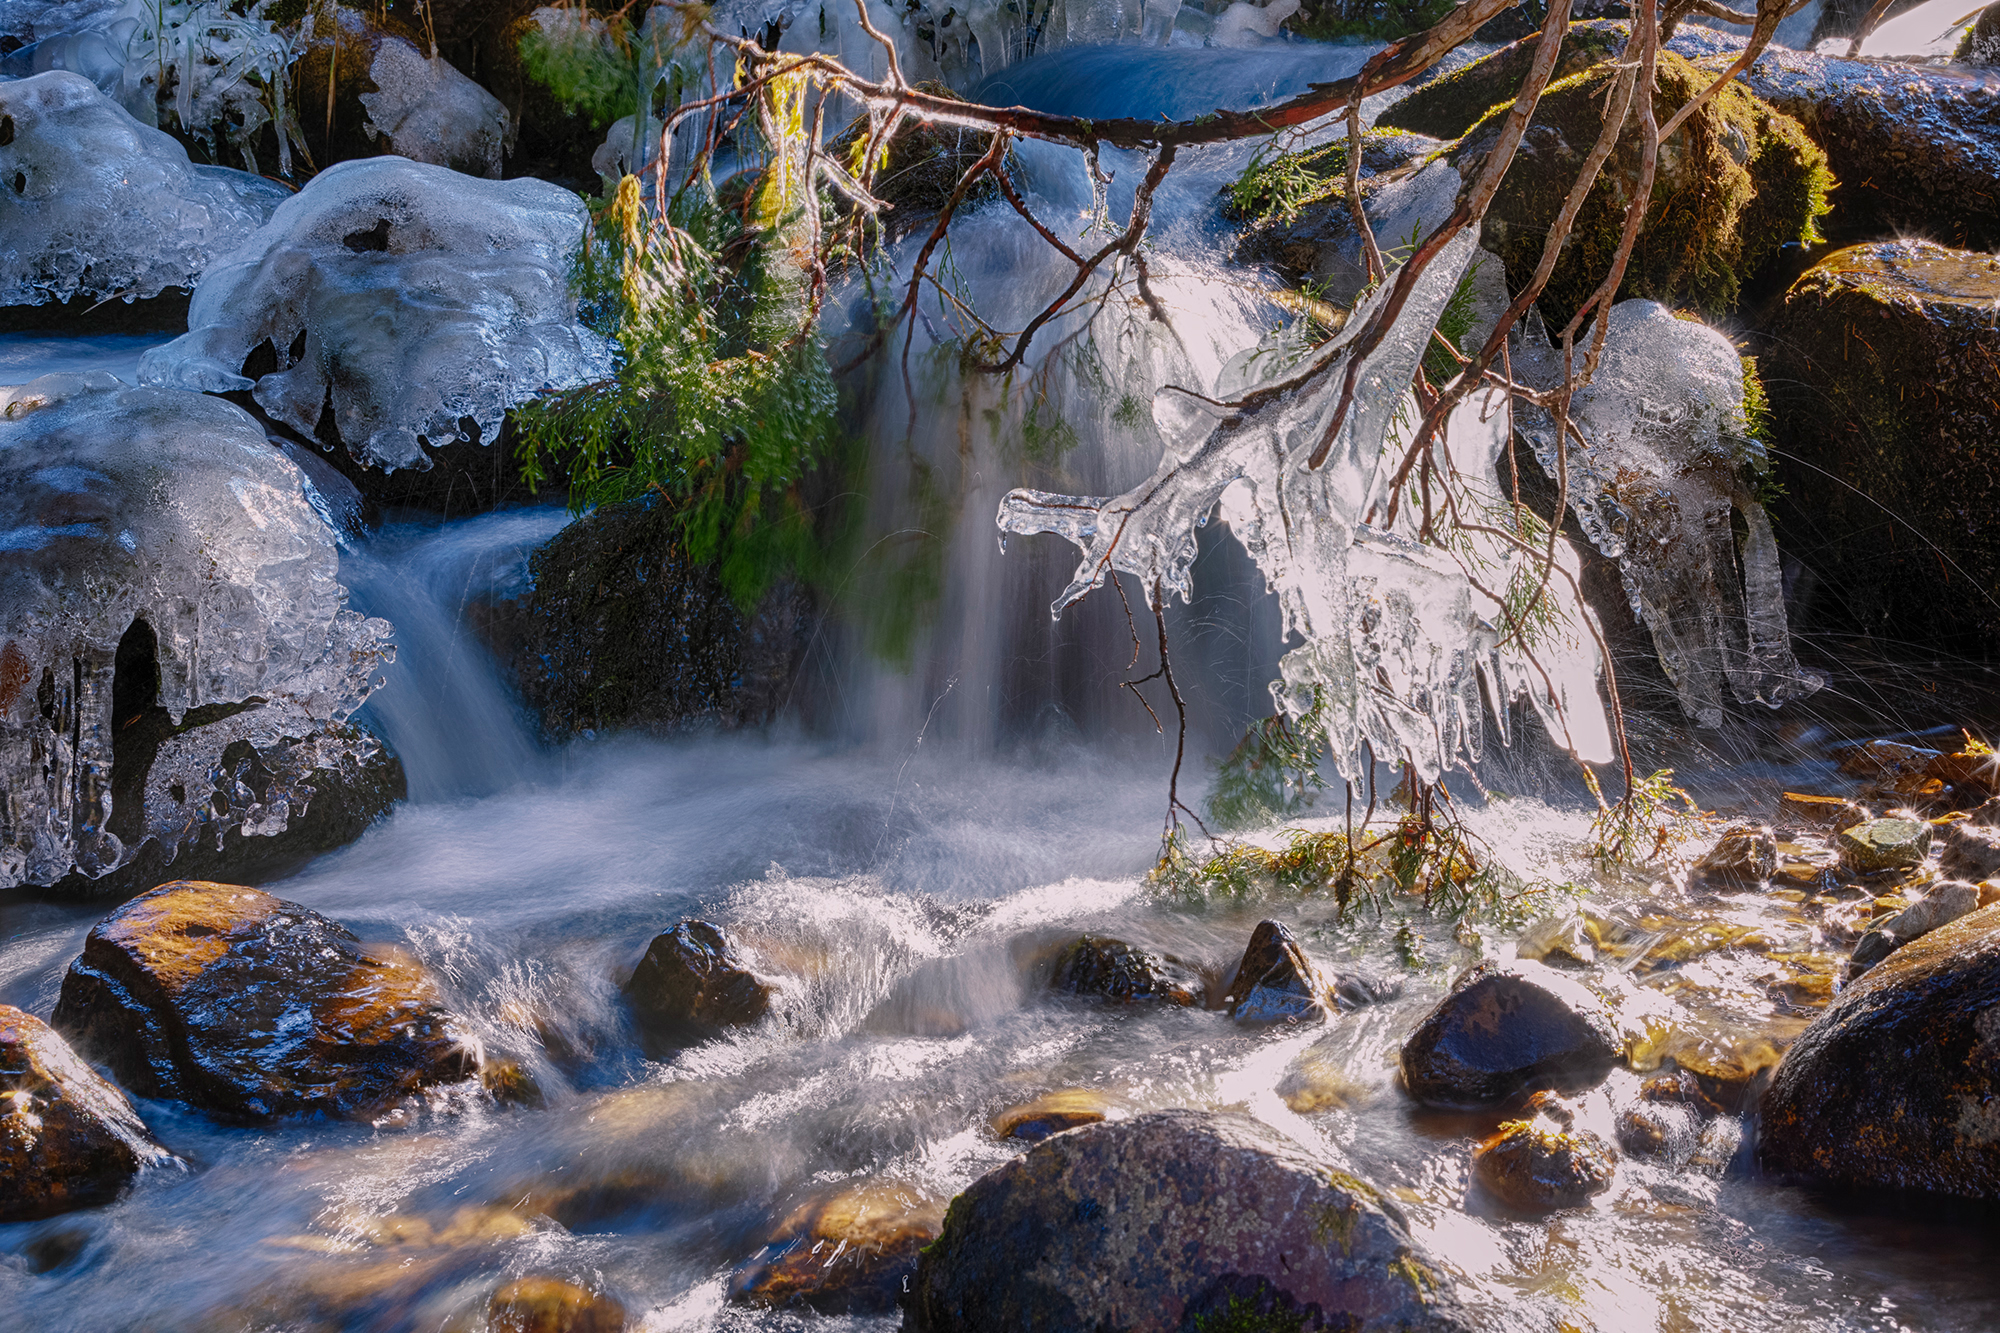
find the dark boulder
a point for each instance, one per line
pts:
(1971, 851)
(1448, 106)
(68, 1139)
(1275, 982)
(1881, 378)
(250, 1007)
(1538, 1165)
(1981, 43)
(846, 1253)
(1177, 1220)
(1896, 1084)
(693, 982)
(1502, 1028)
(1916, 149)
(623, 631)
(1743, 857)
(1117, 971)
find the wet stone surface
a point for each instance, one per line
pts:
(1501, 1028)
(68, 1138)
(1276, 983)
(1117, 971)
(845, 1253)
(253, 1008)
(693, 982)
(1537, 1165)
(1884, 844)
(1744, 856)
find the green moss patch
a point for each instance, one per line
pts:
(1447, 107)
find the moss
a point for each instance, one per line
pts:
(1734, 185)
(1381, 20)
(1244, 1315)
(1447, 107)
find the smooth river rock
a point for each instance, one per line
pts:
(1177, 1220)
(1884, 844)
(1502, 1028)
(693, 982)
(1897, 1084)
(1537, 1165)
(68, 1138)
(252, 1008)
(849, 1252)
(1276, 982)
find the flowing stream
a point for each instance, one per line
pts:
(912, 858)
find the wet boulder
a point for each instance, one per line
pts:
(1051, 1113)
(1819, 812)
(176, 662)
(1501, 1028)
(253, 1008)
(391, 96)
(1537, 1165)
(101, 207)
(1884, 844)
(693, 982)
(851, 1252)
(1881, 372)
(542, 1304)
(1743, 857)
(68, 1138)
(1276, 983)
(1945, 903)
(1915, 148)
(395, 308)
(622, 630)
(1176, 1220)
(1971, 851)
(1894, 1086)
(1664, 1121)
(1117, 971)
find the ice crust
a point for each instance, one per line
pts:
(425, 109)
(1396, 638)
(99, 205)
(122, 503)
(1662, 467)
(408, 297)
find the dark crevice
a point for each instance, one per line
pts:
(138, 725)
(374, 238)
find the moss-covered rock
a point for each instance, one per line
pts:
(1917, 149)
(1734, 185)
(1883, 379)
(622, 631)
(1981, 43)
(1447, 107)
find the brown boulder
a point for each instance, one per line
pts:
(1537, 1165)
(1500, 1029)
(1095, 965)
(1897, 1084)
(1051, 1113)
(847, 1253)
(250, 1007)
(68, 1139)
(552, 1305)
(1743, 857)
(1173, 1220)
(693, 982)
(1971, 851)
(1276, 983)
(1819, 812)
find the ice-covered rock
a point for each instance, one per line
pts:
(176, 662)
(1397, 639)
(98, 205)
(1662, 470)
(32, 20)
(407, 299)
(1246, 24)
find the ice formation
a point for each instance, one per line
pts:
(99, 205)
(1396, 637)
(423, 108)
(221, 65)
(1657, 481)
(149, 531)
(32, 20)
(405, 297)
(1244, 24)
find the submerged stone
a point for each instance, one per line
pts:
(1743, 857)
(1051, 1113)
(540, 1304)
(1117, 971)
(1819, 812)
(693, 982)
(68, 1139)
(851, 1252)
(1884, 844)
(1537, 1165)
(1895, 1085)
(1971, 851)
(1501, 1028)
(250, 1007)
(1177, 1220)
(1276, 983)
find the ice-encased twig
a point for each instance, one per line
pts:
(1396, 636)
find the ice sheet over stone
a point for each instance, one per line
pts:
(1395, 636)
(32, 20)
(98, 205)
(1662, 467)
(121, 505)
(407, 297)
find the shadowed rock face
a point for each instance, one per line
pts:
(1176, 1220)
(68, 1139)
(693, 982)
(252, 1008)
(1894, 1086)
(1500, 1029)
(1276, 982)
